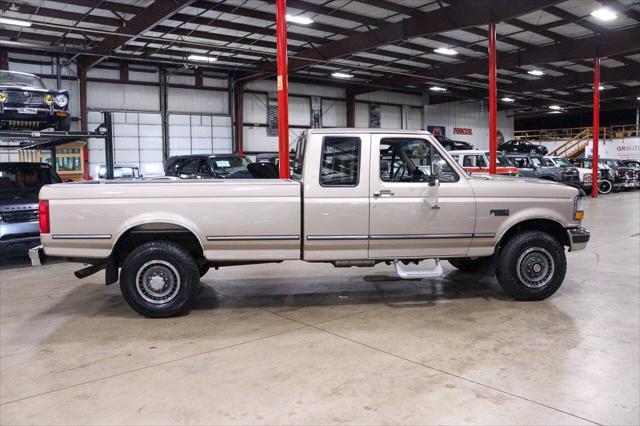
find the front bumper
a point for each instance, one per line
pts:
(10, 118)
(578, 238)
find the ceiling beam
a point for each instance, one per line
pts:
(458, 16)
(156, 12)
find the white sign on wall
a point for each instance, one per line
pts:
(622, 149)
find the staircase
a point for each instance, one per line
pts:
(574, 146)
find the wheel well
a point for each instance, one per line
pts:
(141, 234)
(549, 226)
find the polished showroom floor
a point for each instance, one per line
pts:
(310, 344)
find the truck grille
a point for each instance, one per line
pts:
(15, 124)
(19, 216)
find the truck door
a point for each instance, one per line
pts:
(404, 220)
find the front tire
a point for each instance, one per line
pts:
(160, 279)
(531, 266)
(605, 186)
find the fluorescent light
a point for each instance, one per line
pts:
(341, 75)
(507, 99)
(16, 22)
(200, 58)
(535, 72)
(555, 107)
(303, 20)
(445, 51)
(599, 87)
(438, 89)
(604, 14)
(638, 98)
(555, 112)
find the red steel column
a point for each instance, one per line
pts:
(596, 125)
(283, 90)
(493, 100)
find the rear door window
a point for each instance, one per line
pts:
(340, 164)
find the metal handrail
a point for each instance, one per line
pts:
(612, 132)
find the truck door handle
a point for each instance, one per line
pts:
(383, 192)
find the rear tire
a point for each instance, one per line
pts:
(531, 266)
(469, 265)
(160, 279)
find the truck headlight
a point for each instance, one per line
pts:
(3, 97)
(48, 99)
(61, 100)
(588, 177)
(578, 208)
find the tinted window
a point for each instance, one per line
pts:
(25, 177)
(190, 167)
(411, 160)
(340, 161)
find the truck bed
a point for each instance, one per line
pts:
(94, 215)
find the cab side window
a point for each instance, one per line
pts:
(411, 160)
(190, 166)
(340, 163)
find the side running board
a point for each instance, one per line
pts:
(416, 275)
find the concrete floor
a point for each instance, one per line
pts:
(310, 344)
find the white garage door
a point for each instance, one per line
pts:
(199, 134)
(137, 139)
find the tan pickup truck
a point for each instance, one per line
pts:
(357, 197)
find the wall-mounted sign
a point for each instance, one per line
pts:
(462, 131)
(436, 130)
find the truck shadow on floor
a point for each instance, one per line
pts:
(355, 290)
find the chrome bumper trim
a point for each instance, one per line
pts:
(578, 238)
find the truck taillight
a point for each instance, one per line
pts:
(43, 217)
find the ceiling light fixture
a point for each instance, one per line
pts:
(507, 99)
(535, 72)
(302, 20)
(438, 89)
(200, 58)
(15, 22)
(445, 51)
(555, 112)
(604, 14)
(341, 75)
(555, 107)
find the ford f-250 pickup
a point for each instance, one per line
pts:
(357, 197)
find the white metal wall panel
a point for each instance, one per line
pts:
(390, 117)
(130, 97)
(470, 115)
(414, 118)
(153, 77)
(334, 113)
(362, 115)
(299, 111)
(256, 139)
(137, 139)
(194, 100)
(199, 134)
(391, 98)
(255, 108)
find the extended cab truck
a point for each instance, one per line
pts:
(358, 197)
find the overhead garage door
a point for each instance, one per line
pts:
(137, 139)
(199, 134)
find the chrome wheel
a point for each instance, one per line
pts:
(157, 282)
(604, 187)
(535, 267)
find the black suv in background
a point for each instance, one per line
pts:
(533, 165)
(451, 145)
(208, 166)
(20, 184)
(523, 147)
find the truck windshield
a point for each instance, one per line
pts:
(25, 177)
(8, 78)
(562, 162)
(230, 164)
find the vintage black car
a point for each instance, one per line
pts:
(625, 177)
(522, 146)
(605, 173)
(25, 103)
(451, 145)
